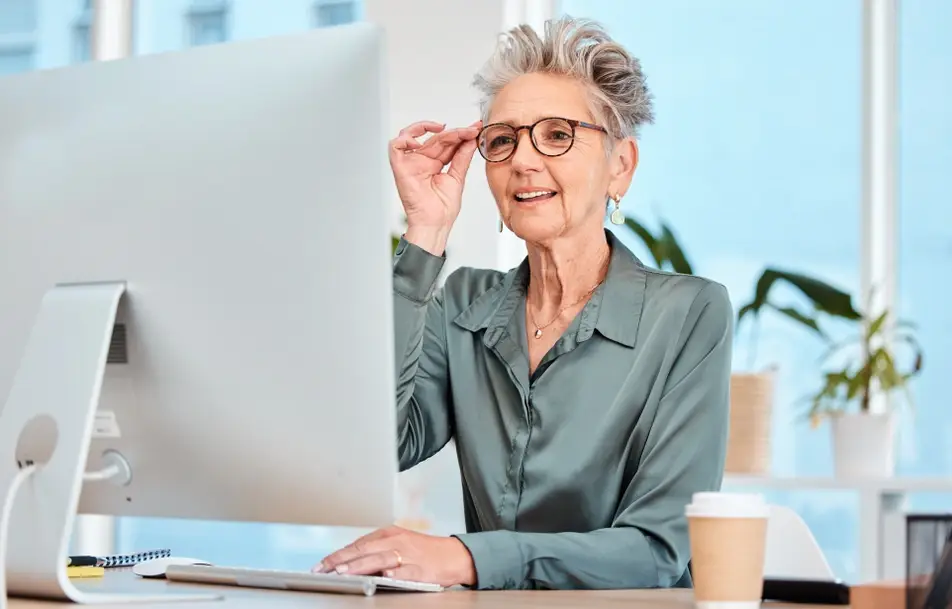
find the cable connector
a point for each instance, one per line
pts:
(117, 470)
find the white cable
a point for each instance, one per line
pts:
(116, 469)
(105, 473)
(18, 480)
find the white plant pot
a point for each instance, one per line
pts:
(863, 445)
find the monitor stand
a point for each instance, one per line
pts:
(57, 387)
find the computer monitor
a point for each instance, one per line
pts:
(196, 245)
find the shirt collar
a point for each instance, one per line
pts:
(614, 309)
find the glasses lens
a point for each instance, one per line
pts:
(497, 142)
(552, 136)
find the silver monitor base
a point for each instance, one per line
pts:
(56, 388)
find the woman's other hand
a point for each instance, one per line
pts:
(431, 197)
(400, 553)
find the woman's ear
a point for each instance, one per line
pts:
(624, 161)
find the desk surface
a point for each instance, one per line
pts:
(244, 598)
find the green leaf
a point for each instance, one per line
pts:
(664, 247)
(916, 351)
(833, 382)
(673, 252)
(889, 377)
(799, 317)
(863, 377)
(744, 310)
(651, 243)
(877, 325)
(825, 297)
(394, 242)
(855, 386)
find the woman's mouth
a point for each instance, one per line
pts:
(534, 196)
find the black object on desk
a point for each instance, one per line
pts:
(806, 591)
(928, 561)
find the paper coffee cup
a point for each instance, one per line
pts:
(728, 533)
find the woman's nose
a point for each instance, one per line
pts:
(526, 157)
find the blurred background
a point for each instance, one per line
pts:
(755, 161)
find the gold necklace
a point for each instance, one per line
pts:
(539, 329)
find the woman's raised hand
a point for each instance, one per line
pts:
(431, 197)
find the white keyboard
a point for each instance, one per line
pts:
(301, 581)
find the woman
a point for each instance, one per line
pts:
(587, 394)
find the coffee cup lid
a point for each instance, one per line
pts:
(736, 505)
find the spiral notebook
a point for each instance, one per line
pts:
(129, 560)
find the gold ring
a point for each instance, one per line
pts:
(399, 559)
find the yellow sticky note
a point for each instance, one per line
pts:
(85, 571)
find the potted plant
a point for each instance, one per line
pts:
(864, 440)
(752, 393)
(824, 299)
(854, 370)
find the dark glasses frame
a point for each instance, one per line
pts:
(574, 124)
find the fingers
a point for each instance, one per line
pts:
(441, 146)
(348, 553)
(406, 573)
(421, 127)
(370, 543)
(444, 145)
(461, 160)
(404, 144)
(453, 136)
(372, 564)
(406, 138)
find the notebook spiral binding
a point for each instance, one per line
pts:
(129, 560)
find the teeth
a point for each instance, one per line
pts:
(532, 195)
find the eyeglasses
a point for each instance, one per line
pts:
(550, 136)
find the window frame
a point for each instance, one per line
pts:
(319, 4)
(202, 9)
(82, 28)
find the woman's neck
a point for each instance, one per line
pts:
(566, 271)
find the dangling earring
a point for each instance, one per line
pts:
(617, 216)
(500, 224)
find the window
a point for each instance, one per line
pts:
(754, 160)
(17, 16)
(207, 23)
(13, 60)
(18, 26)
(925, 228)
(334, 12)
(58, 35)
(82, 30)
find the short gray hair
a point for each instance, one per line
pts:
(579, 49)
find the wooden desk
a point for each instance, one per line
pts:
(246, 598)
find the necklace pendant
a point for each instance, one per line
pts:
(538, 333)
